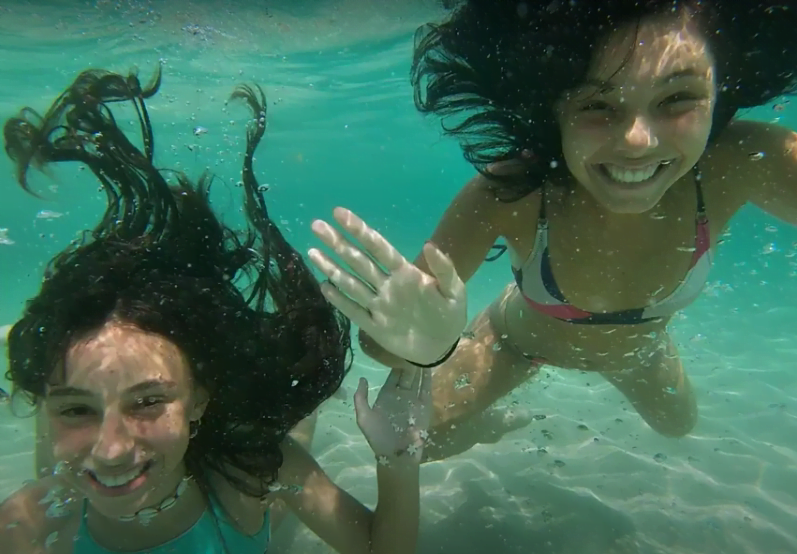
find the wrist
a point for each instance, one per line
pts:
(409, 456)
(400, 472)
(441, 360)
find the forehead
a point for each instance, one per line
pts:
(655, 48)
(118, 357)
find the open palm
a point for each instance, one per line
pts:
(413, 314)
(395, 426)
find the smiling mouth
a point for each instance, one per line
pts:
(122, 482)
(625, 176)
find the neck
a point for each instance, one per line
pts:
(602, 221)
(595, 217)
(598, 217)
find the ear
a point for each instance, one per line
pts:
(200, 398)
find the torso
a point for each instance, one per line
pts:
(606, 268)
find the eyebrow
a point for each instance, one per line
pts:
(607, 86)
(137, 388)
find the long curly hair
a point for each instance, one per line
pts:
(242, 306)
(494, 69)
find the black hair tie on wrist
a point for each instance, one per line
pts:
(442, 360)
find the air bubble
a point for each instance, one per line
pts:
(61, 466)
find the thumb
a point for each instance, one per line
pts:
(361, 407)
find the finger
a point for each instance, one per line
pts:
(342, 279)
(442, 268)
(417, 378)
(425, 393)
(348, 307)
(361, 406)
(374, 243)
(365, 267)
(408, 379)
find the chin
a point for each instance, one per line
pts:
(120, 496)
(638, 207)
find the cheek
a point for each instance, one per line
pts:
(166, 433)
(579, 146)
(583, 136)
(70, 440)
(692, 128)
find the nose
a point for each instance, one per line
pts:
(639, 137)
(114, 443)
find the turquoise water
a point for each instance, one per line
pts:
(343, 131)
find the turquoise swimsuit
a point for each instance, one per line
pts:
(201, 538)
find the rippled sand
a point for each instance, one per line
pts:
(616, 486)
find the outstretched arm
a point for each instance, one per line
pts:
(395, 428)
(341, 520)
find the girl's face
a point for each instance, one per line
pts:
(121, 418)
(642, 118)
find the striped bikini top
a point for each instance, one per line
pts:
(536, 281)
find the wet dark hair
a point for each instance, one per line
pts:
(500, 66)
(242, 306)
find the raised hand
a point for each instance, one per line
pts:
(396, 425)
(414, 315)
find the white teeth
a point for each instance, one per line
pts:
(625, 175)
(119, 480)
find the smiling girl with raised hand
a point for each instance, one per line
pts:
(171, 355)
(610, 162)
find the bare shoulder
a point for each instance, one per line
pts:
(743, 143)
(747, 140)
(247, 511)
(244, 511)
(299, 469)
(481, 191)
(745, 154)
(476, 218)
(42, 517)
